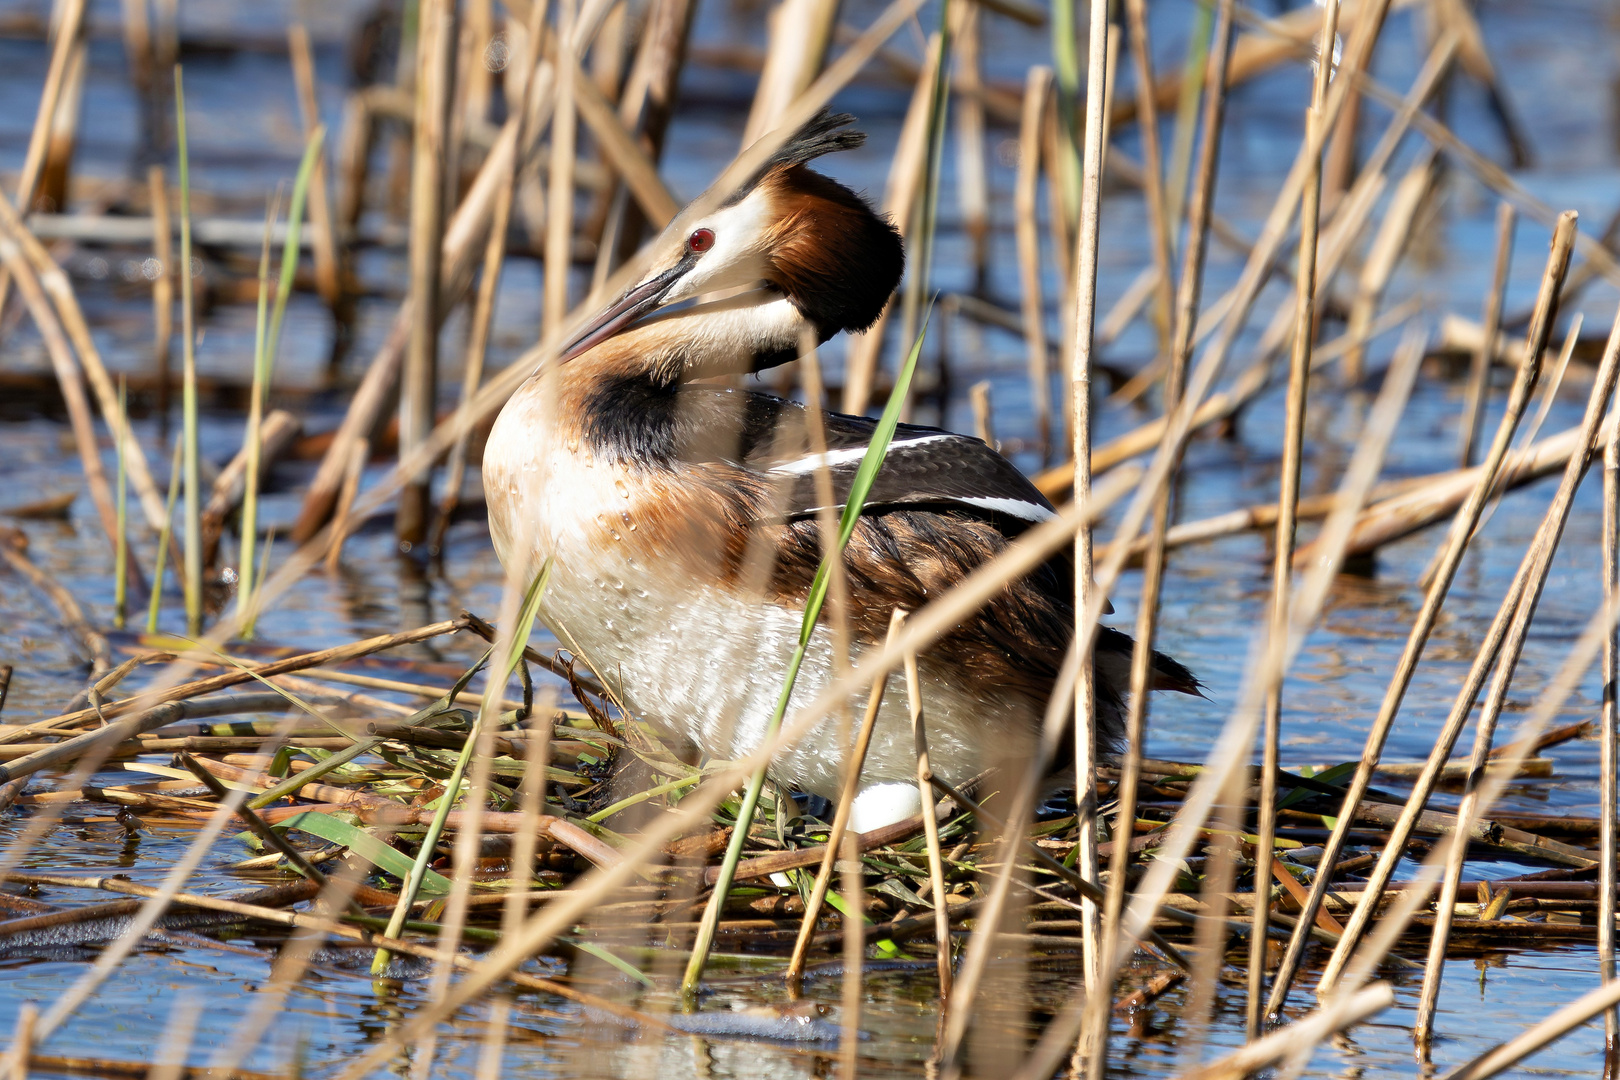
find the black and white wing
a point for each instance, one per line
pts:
(925, 467)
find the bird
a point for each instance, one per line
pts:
(680, 515)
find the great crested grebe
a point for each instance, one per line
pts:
(680, 516)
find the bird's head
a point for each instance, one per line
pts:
(792, 249)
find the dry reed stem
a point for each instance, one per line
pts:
(972, 181)
(900, 196)
(1179, 355)
(328, 273)
(1480, 369)
(1079, 346)
(1544, 545)
(1236, 738)
(341, 519)
(1608, 768)
(936, 861)
(162, 292)
(68, 379)
(984, 428)
(560, 182)
(436, 44)
(1153, 176)
(68, 40)
(1037, 92)
(841, 815)
(1382, 257)
(799, 33)
(1417, 637)
(1462, 527)
(1299, 374)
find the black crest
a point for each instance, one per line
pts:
(823, 134)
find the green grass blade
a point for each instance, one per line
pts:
(367, 846)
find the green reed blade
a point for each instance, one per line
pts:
(164, 536)
(192, 578)
(253, 440)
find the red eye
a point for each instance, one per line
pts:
(700, 241)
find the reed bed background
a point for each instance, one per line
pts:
(455, 822)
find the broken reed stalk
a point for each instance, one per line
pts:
(1083, 304)
(435, 61)
(1479, 372)
(267, 343)
(1608, 767)
(936, 862)
(1299, 375)
(1037, 92)
(1544, 546)
(165, 534)
(162, 291)
(840, 823)
(192, 573)
(1147, 121)
(1417, 637)
(1536, 343)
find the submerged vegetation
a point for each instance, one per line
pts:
(466, 809)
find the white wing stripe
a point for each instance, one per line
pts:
(833, 458)
(1018, 508)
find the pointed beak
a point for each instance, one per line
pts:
(626, 309)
